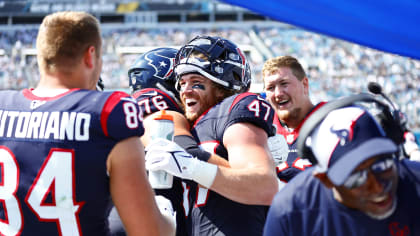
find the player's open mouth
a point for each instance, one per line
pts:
(190, 103)
(282, 102)
(385, 201)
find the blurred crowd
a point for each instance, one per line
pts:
(335, 68)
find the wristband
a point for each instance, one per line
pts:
(204, 173)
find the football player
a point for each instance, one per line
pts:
(359, 185)
(67, 151)
(213, 76)
(287, 89)
(152, 84)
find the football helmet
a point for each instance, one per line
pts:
(217, 59)
(154, 69)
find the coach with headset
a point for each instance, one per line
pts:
(357, 185)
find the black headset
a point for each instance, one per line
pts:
(387, 118)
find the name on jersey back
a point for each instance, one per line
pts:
(71, 126)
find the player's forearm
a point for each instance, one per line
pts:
(164, 227)
(190, 145)
(254, 186)
(250, 181)
(219, 161)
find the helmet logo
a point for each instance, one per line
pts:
(344, 134)
(162, 65)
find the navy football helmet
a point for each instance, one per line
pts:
(217, 59)
(154, 69)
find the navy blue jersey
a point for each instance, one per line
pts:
(213, 214)
(293, 164)
(152, 100)
(314, 211)
(53, 154)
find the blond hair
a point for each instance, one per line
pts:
(272, 65)
(64, 37)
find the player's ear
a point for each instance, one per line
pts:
(90, 56)
(324, 179)
(305, 83)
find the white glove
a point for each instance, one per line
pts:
(279, 148)
(411, 148)
(166, 155)
(166, 209)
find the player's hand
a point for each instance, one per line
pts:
(278, 148)
(166, 155)
(166, 209)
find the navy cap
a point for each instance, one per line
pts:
(346, 138)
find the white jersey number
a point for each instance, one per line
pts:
(55, 177)
(157, 101)
(255, 106)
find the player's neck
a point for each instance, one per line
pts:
(49, 92)
(54, 84)
(295, 120)
(50, 86)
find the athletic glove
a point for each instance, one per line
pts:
(166, 209)
(166, 155)
(278, 148)
(411, 149)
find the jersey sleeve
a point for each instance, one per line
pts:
(252, 108)
(121, 117)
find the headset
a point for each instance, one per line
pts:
(385, 113)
